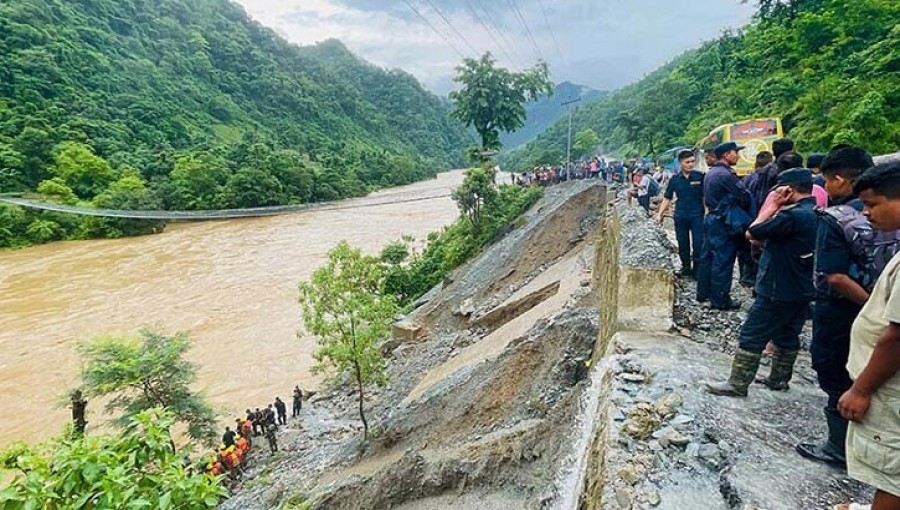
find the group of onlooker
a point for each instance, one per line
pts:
(826, 233)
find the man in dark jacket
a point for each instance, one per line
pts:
(722, 191)
(784, 286)
(281, 408)
(760, 182)
(850, 256)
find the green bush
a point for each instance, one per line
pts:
(456, 244)
(137, 469)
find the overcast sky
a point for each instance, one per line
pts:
(604, 44)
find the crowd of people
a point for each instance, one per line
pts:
(818, 240)
(596, 167)
(231, 455)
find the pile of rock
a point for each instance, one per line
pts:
(644, 243)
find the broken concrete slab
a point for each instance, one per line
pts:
(741, 451)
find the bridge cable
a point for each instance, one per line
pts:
(220, 214)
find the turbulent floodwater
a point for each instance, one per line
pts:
(231, 284)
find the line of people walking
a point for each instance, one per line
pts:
(236, 444)
(826, 235)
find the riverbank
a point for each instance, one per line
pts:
(231, 284)
(509, 391)
(483, 377)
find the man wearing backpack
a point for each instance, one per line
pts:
(850, 257)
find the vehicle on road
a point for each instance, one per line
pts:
(755, 135)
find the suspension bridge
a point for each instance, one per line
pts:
(211, 215)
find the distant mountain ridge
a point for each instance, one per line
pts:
(547, 110)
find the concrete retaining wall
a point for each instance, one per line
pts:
(629, 298)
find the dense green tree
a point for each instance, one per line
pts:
(137, 469)
(585, 142)
(252, 187)
(86, 173)
(138, 374)
(476, 194)
(190, 94)
(57, 190)
(492, 98)
(344, 307)
(199, 180)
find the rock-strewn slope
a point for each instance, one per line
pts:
(481, 405)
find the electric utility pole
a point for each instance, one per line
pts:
(569, 141)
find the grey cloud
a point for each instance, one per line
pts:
(604, 43)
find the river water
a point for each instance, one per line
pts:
(231, 284)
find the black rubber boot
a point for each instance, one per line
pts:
(832, 451)
(743, 371)
(782, 369)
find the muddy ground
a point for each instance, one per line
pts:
(480, 405)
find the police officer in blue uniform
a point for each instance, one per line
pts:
(850, 257)
(784, 286)
(724, 196)
(687, 186)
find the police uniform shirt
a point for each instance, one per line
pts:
(786, 266)
(833, 251)
(689, 191)
(721, 182)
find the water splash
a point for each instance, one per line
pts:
(571, 477)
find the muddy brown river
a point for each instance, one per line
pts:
(231, 284)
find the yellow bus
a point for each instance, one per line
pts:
(756, 135)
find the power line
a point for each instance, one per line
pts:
(501, 33)
(433, 29)
(552, 33)
(453, 28)
(490, 32)
(515, 7)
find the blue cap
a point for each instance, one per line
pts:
(722, 148)
(795, 176)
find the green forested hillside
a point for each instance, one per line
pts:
(544, 112)
(190, 104)
(829, 68)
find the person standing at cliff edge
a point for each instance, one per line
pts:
(872, 404)
(784, 286)
(687, 187)
(298, 402)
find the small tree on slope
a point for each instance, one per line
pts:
(147, 374)
(343, 306)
